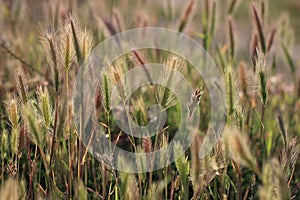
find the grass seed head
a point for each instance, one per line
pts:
(50, 41)
(243, 79)
(4, 141)
(45, 105)
(147, 144)
(239, 148)
(196, 164)
(271, 39)
(14, 141)
(76, 30)
(66, 47)
(230, 91)
(35, 133)
(231, 38)
(22, 86)
(13, 113)
(187, 12)
(117, 19)
(254, 49)
(86, 38)
(259, 29)
(262, 72)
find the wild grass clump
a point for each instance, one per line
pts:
(42, 155)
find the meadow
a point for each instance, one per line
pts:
(254, 44)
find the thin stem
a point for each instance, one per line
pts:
(54, 131)
(2, 171)
(21, 60)
(165, 172)
(130, 128)
(104, 181)
(262, 131)
(239, 182)
(108, 130)
(70, 136)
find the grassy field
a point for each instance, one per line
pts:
(255, 45)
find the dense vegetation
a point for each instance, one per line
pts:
(42, 46)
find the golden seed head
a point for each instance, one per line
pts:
(44, 105)
(238, 146)
(13, 114)
(22, 86)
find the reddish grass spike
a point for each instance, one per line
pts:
(254, 45)
(232, 6)
(98, 98)
(110, 27)
(231, 38)
(22, 87)
(288, 58)
(147, 144)
(189, 9)
(271, 40)
(143, 65)
(185, 16)
(242, 74)
(138, 57)
(259, 29)
(118, 20)
(298, 92)
(195, 100)
(263, 10)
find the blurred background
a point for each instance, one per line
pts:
(26, 19)
(23, 23)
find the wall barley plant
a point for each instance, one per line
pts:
(42, 155)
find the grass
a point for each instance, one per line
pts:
(41, 152)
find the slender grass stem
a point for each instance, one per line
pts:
(54, 131)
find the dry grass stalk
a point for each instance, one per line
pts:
(254, 49)
(185, 16)
(243, 79)
(259, 29)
